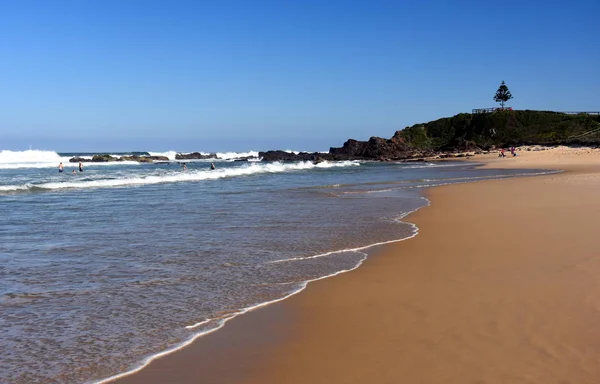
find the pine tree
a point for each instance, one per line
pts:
(502, 94)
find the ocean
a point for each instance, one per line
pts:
(103, 270)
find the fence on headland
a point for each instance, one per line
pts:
(490, 110)
(584, 113)
(495, 109)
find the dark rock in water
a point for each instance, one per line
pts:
(288, 156)
(195, 156)
(143, 159)
(103, 158)
(246, 158)
(106, 158)
(77, 159)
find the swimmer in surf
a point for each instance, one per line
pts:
(184, 167)
(212, 165)
(60, 167)
(80, 166)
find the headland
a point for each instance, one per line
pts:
(462, 135)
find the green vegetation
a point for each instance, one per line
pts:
(503, 128)
(502, 94)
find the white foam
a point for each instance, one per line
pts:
(198, 324)
(435, 165)
(9, 188)
(31, 158)
(169, 154)
(28, 156)
(34, 158)
(174, 177)
(236, 155)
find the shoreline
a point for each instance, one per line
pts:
(177, 362)
(117, 378)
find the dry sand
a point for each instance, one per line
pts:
(502, 285)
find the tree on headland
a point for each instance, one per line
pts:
(502, 94)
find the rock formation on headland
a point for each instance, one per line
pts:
(376, 148)
(465, 132)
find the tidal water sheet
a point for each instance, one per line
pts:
(103, 270)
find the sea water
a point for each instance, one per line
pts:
(102, 270)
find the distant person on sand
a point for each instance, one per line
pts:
(212, 165)
(502, 153)
(80, 166)
(60, 167)
(512, 151)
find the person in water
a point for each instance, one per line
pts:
(73, 171)
(212, 165)
(184, 167)
(60, 167)
(80, 166)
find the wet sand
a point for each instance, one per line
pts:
(502, 285)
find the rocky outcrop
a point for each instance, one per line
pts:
(376, 148)
(288, 156)
(246, 158)
(194, 156)
(79, 160)
(143, 159)
(103, 158)
(108, 158)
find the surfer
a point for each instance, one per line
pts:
(80, 166)
(212, 165)
(60, 167)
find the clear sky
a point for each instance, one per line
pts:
(307, 75)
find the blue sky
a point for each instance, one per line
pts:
(199, 75)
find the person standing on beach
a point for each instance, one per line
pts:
(60, 168)
(80, 166)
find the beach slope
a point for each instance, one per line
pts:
(502, 285)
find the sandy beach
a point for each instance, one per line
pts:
(502, 285)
